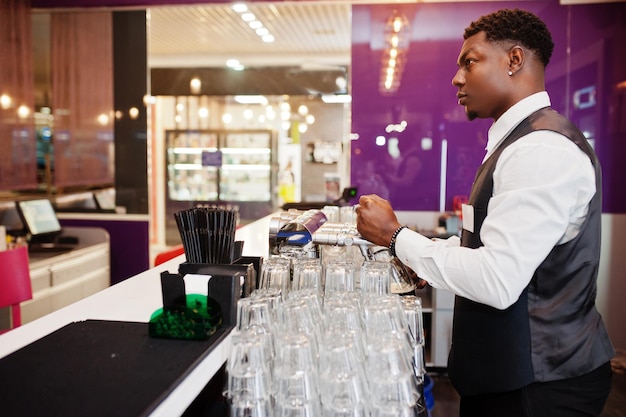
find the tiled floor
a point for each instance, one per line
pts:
(447, 400)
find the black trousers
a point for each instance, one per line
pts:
(582, 396)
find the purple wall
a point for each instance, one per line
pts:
(596, 37)
(128, 243)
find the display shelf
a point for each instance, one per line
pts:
(220, 165)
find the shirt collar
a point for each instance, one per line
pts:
(513, 116)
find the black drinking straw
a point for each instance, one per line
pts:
(207, 234)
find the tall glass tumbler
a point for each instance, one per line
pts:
(307, 273)
(375, 278)
(339, 276)
(276, 274)
(344, 389)
(296, 378)
(248, 371)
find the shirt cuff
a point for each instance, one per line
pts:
(410, 244)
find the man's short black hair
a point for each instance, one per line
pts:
(517, 26)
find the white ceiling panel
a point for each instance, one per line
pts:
(306, 34)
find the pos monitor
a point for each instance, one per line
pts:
(40, 220)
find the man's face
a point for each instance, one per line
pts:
(482, 78)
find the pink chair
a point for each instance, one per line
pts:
(15, 285)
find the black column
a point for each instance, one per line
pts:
(130, 86)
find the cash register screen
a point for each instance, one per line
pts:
(39, 217)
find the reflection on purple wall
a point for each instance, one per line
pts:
(584, 85)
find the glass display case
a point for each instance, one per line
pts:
(226, 168)
(220, 165)
(188, 176)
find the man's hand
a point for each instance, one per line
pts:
(376, 220)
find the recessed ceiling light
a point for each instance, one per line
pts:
(336, 98)
(232, 63)
(251, 99)
(248, 17)
(240, 7)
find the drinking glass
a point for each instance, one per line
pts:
(347, 215)
(401, 281)
(395, 384)
(307, 273)
(375, 278)
(345, 389)
(330, 253)
(412, 307)
(339, 276)
(295, 317)
(298, 409)
(295, 372)
(255, 315)
(416, 410)
(343, 320)
(332, 213)
(248, 370)
(244, 408)
(276, 273)
(384, 315)
(419, 364)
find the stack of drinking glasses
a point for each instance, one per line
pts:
(395, 391)
(413, 313)
(311, 346)
(250, 365)
(276, 275)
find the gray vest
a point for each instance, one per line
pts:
(553, 331)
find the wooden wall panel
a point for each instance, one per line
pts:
(82, 98)
(18, 169)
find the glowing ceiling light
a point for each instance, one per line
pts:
(232, 63)
(397, 24)
(336, 98)
(248, 17)
(195, 85)
(103, 119)
(5, 101)
(240, 7)
(251, 99)
(23, 111)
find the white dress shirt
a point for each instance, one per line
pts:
(543, 184)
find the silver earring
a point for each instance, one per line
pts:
(510, 73)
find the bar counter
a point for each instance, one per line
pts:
(134, 300)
